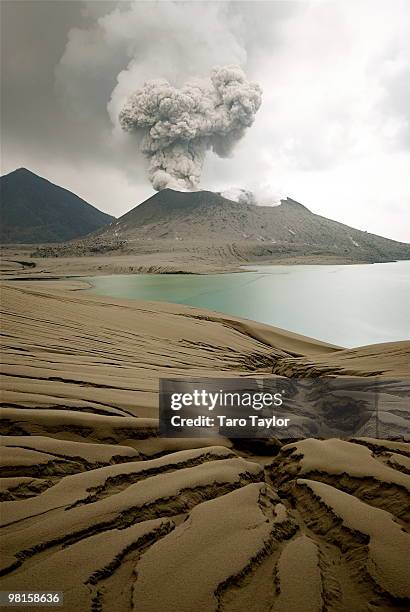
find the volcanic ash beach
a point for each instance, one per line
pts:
(97, 505)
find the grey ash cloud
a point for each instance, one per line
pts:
(178, 126)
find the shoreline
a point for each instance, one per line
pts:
(17, 261)
(334, 331)
(47, 288)
(40, 268)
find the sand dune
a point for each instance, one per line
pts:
(374, 538)
(96, 504)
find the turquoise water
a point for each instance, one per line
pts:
(346, 305)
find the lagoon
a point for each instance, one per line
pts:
(346, 305)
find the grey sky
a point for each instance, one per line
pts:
(333, 130)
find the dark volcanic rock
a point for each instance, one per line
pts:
(33, 210)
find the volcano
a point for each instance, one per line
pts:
(206, 221)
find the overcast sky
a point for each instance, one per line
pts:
(333, 130)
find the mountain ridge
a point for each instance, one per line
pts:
(35, 210)
(202, 230)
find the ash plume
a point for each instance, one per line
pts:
(240, 195)
(178, 126)
(260, 194)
